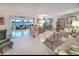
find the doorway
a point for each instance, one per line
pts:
(20, 27)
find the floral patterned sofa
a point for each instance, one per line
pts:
(64, 49)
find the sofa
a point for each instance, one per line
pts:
(4, 41)
(54, 40)
(3, 36)
(62, 43)
(65, 48)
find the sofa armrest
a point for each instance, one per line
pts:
(8, 37)
(63, 47)
(4, 40)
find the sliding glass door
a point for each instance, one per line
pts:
(19, 26)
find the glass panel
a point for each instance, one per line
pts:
(13, 24)
(26, 32)
(18, 33)
(13, 34)
(20, 23)
(46, 21)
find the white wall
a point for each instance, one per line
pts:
(32, 10)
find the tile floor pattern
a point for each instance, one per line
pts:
(17, 33)
(27, 45)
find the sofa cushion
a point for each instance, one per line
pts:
(57, 43)
(71, 52)
(3, 34)
(2, 41)
(74, 50)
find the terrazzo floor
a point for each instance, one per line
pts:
(27, 45)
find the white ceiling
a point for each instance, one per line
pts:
(33, 9)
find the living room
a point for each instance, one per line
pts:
(39, 29)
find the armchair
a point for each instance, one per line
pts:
(4, 41)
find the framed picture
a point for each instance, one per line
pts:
(70, 19)
(1, 20)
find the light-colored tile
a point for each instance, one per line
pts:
(24, 45)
